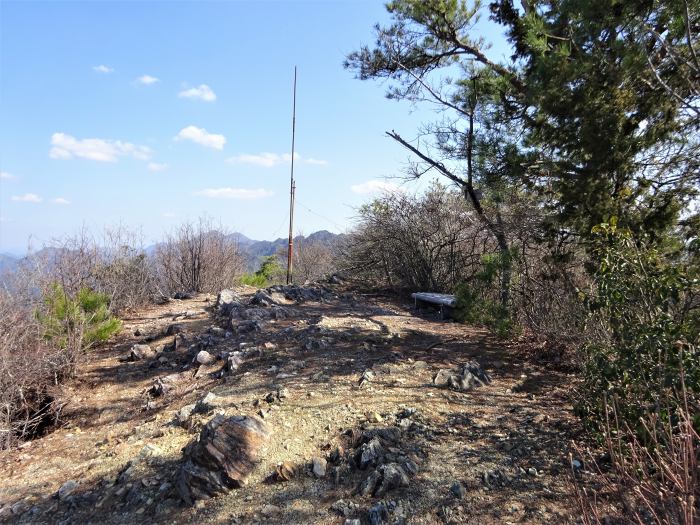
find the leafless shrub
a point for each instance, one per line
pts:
(114, 264)
(312, 261)
(29, 369)
(197, 257)
(434, 242)
(428, 242)
(651, 482)
(123, 271)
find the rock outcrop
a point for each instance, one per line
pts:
(221, 459)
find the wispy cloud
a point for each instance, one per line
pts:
(147, 80)
(60, 200)
(201, 92)
(235, 193)
(103, 150)
(155, 166)
(27, 197)
(6, 176)
(169, 215)
(202, 136)
(103, 69)
(374, 187)
(269, 160)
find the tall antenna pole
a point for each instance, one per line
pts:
(292, 187)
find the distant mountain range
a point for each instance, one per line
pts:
(253, 250)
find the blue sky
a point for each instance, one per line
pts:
(152, 113)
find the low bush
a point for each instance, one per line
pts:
(641, 390)
(253, 279)
(75, 323)
(641, 305)
(477, 303)
(270, 272)
(29, 370)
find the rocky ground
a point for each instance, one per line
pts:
(372, 413)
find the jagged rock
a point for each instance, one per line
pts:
(221, 458)
(458, 490)
(387, 477)
(442, 378)
(321, 343)
(245, 327)
(278, 395)
(227, 300)
(67, 489)
(139, 352)
(369, 453)
(465, 377)
(207, 403)
(173, 329)
(205, 358)
(270, 510)
(234, 361)
(369, 485)
(345, 508)
(366, 377)
(378, 514)
(318, 466)
(300, 294)
(260, 313)
(393, 477)
(217, 331)
(337, 454)
(163, 385)
(262, 298)
(184, 414)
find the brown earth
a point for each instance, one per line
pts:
(505, 442)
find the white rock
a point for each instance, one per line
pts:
(319, 466)
(205, 358)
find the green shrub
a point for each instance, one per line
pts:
(477, 304)
(253, 279)
(642, 303)
(269, 272)
(78, 322)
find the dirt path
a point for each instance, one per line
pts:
(505, 443)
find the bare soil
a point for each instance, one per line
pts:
(505, 442)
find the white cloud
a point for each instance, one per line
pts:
(202, 136)
(234, 193)
(169, 215)
(147, 80)
(103, 69)
(266, 160)
(6, 176)
(155, 166)
(375, 186)
(102, 150)
(27, 197)
(202, 92)
(60, 200)
(269, 160)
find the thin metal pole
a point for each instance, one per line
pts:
(292, 186)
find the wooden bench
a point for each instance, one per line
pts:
(445, 302)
